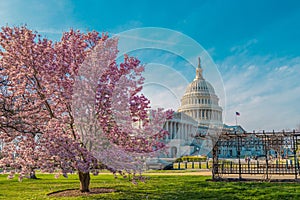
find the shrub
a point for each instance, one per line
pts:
(191, 159)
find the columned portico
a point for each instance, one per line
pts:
(199, 108)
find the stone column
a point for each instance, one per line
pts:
(186, 130)
(167, 128)
(180, 130)
(173, 132)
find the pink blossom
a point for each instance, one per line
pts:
(69, 106)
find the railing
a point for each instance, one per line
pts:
(258, 168)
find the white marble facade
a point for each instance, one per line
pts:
(199, 110)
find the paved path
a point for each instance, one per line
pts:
(261, 176)
(206, 172)
(179, 173)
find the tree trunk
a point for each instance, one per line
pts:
(215, 162)
(84, 178)
(32, 175)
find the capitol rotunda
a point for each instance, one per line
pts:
(201, 102)
(199, 111)
(192, 127)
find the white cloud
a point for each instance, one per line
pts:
(266, 96)
(282, 68)
(243, 48)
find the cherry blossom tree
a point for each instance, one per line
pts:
(68, 106)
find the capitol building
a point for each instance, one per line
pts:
(200, 101)
(198, 113)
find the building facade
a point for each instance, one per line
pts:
(199, 111)
(195, 126)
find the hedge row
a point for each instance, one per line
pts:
(191, 159)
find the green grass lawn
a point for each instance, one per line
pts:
(159, 186)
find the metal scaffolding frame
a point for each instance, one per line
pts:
(283, 144)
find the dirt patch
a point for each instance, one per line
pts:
(77, 193)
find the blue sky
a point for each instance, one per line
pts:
(254, 44)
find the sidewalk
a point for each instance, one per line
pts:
(203, 172)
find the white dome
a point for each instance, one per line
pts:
(200, 86)
(201, 102)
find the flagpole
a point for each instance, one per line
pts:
(236, 115)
